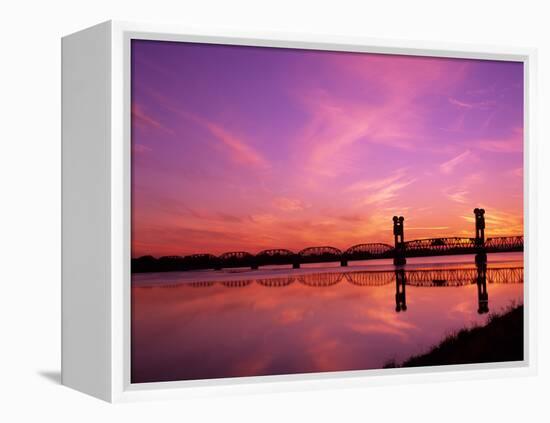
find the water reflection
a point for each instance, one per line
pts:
(295, 321)
(400, 294)
(420, 278)
(482, 295)
(504, 275)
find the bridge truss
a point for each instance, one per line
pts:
(323, 254)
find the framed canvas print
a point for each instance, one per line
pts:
(263, 212)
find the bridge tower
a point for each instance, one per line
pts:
(480, 226)
(400, 295)
(399, 240)
(481, 254)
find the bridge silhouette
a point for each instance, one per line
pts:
(399, 252)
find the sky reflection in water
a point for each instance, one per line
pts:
(186, 327)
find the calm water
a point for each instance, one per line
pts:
(213, 324)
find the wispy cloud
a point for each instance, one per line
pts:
(449, 166)
(380, 191)
(240, 151)
(371, 184)
(510, 144)
(387, 193)
(288, 204)
(338, 125)
(459, 196)
(238, 148)
(144, 120)
(330, 133)
(140, 148)
(471, 105)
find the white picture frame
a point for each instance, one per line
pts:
(96, 213)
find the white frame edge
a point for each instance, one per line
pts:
(86, 142)
(117, 165)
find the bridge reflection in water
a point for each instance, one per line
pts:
(426, 278)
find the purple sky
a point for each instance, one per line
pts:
(246, 148)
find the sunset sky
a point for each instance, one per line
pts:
(246, 148)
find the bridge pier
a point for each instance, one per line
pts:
(399, 241)
(344, 262)
(400, 294)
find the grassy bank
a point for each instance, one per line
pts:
(501, 339)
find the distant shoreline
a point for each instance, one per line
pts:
(500, 340)
(373, 264)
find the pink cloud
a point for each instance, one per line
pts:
(240, 151)
(450, 165)
(370, 184)
(140, 149)
(471, 105)
(512, 144)
(238, 148)
(457, 196)
(141, 118)
(387, 193)
(393, 118)
(329, 133)
(382, 190)
(288, 204)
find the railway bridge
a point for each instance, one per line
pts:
(399, 252)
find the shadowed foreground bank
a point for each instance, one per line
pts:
(501, 339)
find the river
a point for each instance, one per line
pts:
(320, 318)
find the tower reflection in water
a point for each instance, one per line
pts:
(482, 295)
(481, 282)
(400, 294)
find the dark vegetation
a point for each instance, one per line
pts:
(501, 339)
